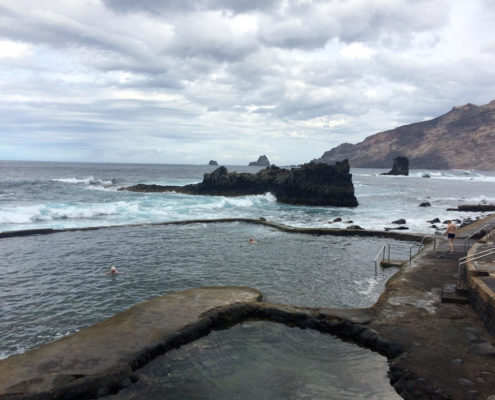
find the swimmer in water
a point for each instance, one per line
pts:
(112, 271)
(251, 240)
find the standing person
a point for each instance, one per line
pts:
(450, 233)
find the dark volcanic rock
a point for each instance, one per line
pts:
(212, 162)
(310, 184)
(262, 162)
(425, 204)
(476, 207)
(401, 221)
(354, 227)
(400, 167)
(398, 228)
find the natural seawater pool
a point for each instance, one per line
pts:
(53, 285)
(263, 360)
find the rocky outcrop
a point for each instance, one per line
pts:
(400, 167)
(458, 139)
(212, 162)
(311, 184)
(262, 162)
(474, 207)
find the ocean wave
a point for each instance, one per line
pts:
(147, 208)
(91, 181)
(221, 202)
(43, 213)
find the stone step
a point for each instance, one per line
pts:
(452, 294)
(391, 263)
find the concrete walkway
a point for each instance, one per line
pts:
(448, 352)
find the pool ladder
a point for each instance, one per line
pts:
(385, 251)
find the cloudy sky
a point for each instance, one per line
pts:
(187, 81)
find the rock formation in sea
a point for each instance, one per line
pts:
(212, 162)
(400, 167)
(261, 162)
(463, 138)
(311, 184)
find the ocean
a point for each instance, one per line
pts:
(69, 195)
(54, 285)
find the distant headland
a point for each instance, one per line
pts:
(460, 139)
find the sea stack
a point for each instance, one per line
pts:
(400, 167)
(311, 184)
(262, 162)
(212, 162)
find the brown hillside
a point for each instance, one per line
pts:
(463, 138)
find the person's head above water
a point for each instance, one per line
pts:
(113, 269)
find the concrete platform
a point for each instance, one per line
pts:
(101, 358)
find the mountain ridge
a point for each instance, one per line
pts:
(462, 138)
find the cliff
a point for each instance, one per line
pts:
(463, 138)
(311, 184)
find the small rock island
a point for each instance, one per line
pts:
(261, 162)
(400, 167)
(212, 162)
(311, 184)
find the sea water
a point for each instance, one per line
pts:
(54, 285)
(67, 195)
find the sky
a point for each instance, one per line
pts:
(157, 81)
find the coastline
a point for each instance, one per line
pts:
(433, 348)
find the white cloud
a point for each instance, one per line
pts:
(356, 51)
(156, 80)
(13, 50)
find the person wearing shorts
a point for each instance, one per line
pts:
(451, 232)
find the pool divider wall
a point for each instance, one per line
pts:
(415, 237)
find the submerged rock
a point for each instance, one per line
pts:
(311, 184)
(400, 167)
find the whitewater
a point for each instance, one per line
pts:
(72, 195)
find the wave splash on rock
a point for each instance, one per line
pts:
(311, 184)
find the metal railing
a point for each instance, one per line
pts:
(462, 275)
(386, 250)
(486, 229)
